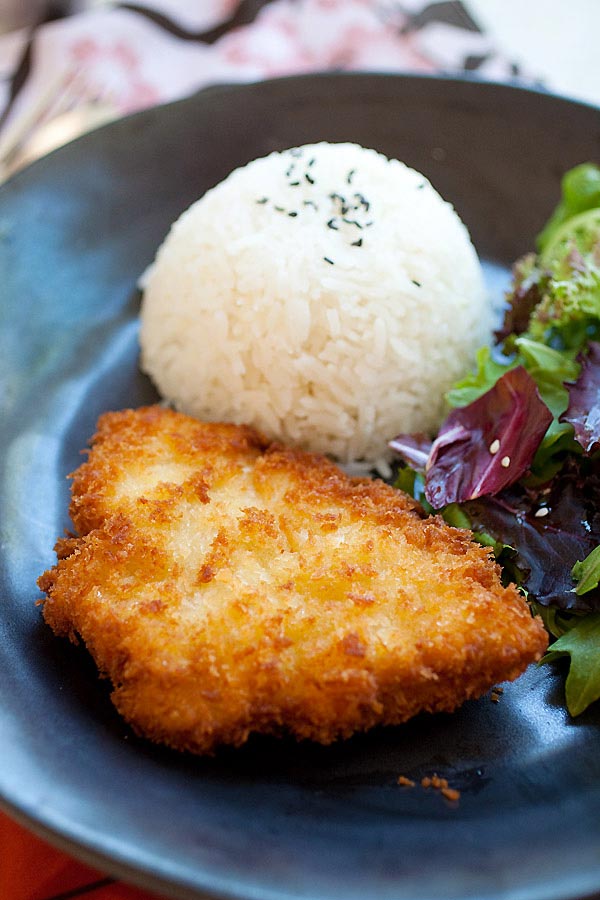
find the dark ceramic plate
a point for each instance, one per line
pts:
(273, 820)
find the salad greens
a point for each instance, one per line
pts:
(581, 643)
(488, 444)
(517, 459)
(587, 572)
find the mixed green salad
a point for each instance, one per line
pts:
(517, 459)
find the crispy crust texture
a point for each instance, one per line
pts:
(227, 586)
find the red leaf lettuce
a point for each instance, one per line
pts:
(583, 412)
(489, 444)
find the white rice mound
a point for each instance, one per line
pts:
(326, 295)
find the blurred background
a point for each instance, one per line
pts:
(70, 65)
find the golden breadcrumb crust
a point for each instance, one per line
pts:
(226, 586)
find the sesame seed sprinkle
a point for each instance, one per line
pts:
(494, 446)
(416, 283)
(262, 200)
(327, 260)
(505, 462)
(298, 173)
(541, 512)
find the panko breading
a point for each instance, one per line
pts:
(226, 586)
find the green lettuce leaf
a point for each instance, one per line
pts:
(550, 369)
(582, 644)
(412, 482)
(580, 188)
(556, 621)
(477, 383)
(556, 445)
(587, 572)
(455, 514)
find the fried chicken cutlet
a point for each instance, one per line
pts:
(228, 586)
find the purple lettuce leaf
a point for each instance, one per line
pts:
(583, 412)
(414, 449)
(529, 284)
(550, 529)
(489, 444)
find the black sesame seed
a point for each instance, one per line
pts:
(332, 224)
(279, 208)
(352, 222)
(262, 200)
(363, 201)
(310, 203)
(357, 243)
(327, 260)
(416, 283)
(290, 170)
(294, 183)
(349, 176)
(309, 178)
(292, 215)
(421, 186)
(312, 161)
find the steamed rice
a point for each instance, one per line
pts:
(326, 295)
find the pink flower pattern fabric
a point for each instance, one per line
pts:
(130, 56)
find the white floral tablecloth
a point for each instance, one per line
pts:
(66, 75)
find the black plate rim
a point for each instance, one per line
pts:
(465, 79)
